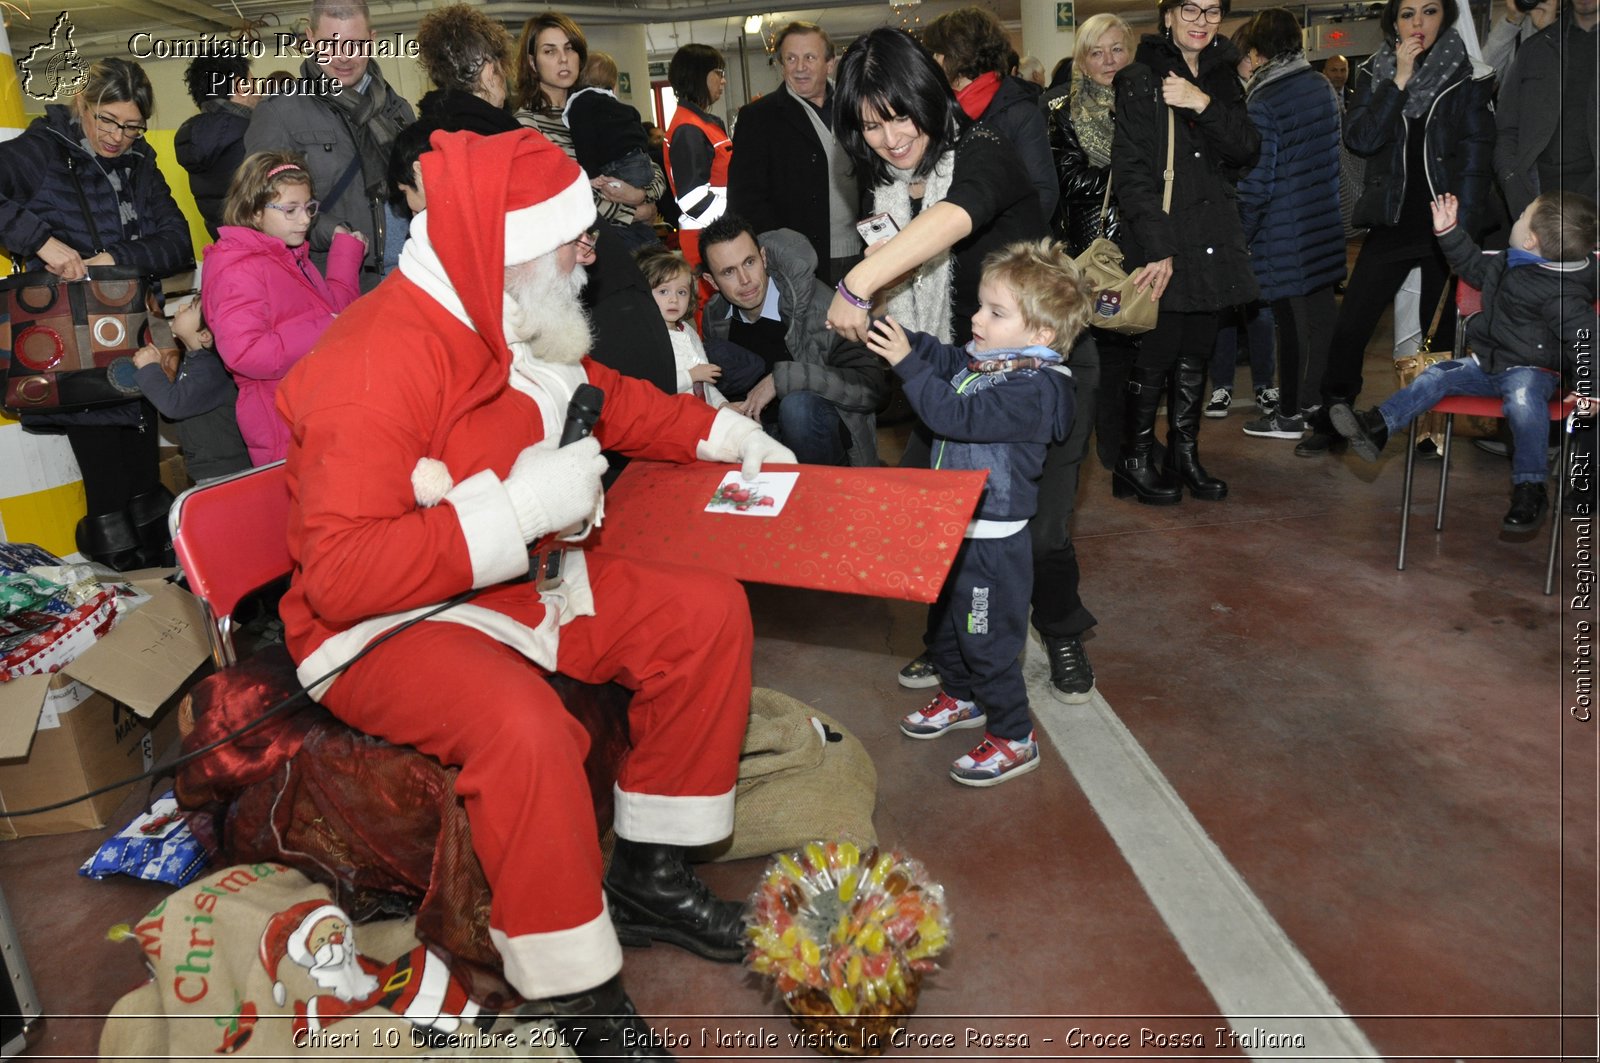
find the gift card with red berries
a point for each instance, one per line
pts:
(762, 497)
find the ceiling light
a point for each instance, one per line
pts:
(752, 24)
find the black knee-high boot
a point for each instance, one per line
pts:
(1135, 475)
(1183, 444)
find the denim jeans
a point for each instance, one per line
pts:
(1257, 324)
(809, 425)
(1524, 390)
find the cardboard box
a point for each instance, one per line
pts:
(106, 716)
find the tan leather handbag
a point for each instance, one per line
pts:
(1118, 305)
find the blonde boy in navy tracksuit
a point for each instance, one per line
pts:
(994, 405)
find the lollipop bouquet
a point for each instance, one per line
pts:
(846, 937)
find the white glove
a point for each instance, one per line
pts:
(554, 488)
(758, 447)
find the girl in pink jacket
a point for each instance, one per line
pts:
(265, 301)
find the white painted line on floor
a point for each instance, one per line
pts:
(1276, 1004)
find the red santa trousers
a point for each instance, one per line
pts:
(681, 640)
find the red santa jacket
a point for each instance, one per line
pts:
(398, 378)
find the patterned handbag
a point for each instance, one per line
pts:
(70, 344)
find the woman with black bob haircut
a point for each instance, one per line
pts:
(1192, 257)
(957, 190)
(697, 147)
(1422, 118)
(80, 188)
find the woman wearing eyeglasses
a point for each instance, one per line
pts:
(263, 298)
(79, 187)
(1192, 256)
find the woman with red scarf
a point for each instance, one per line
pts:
(971, 46)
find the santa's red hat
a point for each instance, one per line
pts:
(286, 935)
(494, 202)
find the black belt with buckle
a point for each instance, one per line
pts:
(544, 567)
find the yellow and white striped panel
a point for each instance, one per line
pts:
(41, 490)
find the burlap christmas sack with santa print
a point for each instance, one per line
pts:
(257, 961)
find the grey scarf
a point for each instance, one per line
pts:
(1438, 68)
(1273, 69)
(373, 120)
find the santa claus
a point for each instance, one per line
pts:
(423, 466)
(417, 986)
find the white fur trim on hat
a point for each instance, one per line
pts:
(546, 225)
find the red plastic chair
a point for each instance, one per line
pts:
(1469, 301)
(231, 538)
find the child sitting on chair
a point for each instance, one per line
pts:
(1538, 316)
(994, 405)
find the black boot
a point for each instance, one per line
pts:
(1183, 445)
(148, 514)
(1528, 502)
(109, 539)
(1365, 429)
(1136, 475)
(602, 1024)
(654, 894)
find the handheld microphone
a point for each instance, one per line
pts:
(582, 412)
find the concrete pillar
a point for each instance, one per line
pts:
(626, 44)
(1043, 36)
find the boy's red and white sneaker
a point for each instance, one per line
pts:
(943, 713)
(995, 760)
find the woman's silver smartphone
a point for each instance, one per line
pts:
(878, 227)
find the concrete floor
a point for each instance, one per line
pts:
(1317, 796)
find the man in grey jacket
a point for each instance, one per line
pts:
(1545, 119)
(819, 392)
(345, 136)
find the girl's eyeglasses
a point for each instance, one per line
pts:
(307, 209)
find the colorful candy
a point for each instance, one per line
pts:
(850, 926)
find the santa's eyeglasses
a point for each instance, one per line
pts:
(585, 240)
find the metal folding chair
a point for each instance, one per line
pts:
(231, 538)
(1469, 301)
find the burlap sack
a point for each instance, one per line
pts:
(798, 782)
(237, 970)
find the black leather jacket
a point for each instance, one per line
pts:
(1083, 185)
(1459, 145)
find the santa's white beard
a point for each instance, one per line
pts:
(542, 310)
(338, 970)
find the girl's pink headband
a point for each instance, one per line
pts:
(276, 170)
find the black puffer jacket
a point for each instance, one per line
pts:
(1202, 234)
(210, 146)
(39, 199)
(1458, 137)
(41, 172)
(1083, 185)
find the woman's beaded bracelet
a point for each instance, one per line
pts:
(853, 299)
